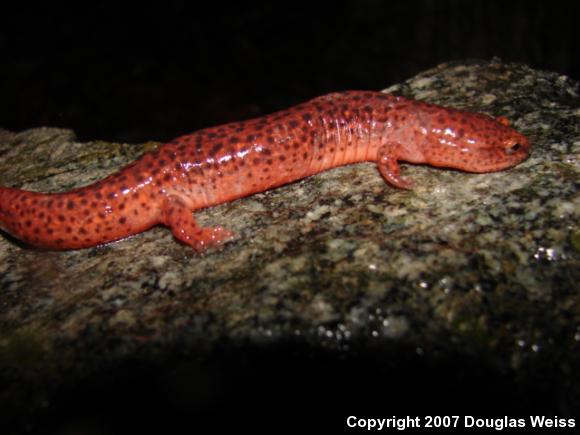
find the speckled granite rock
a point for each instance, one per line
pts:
(481, 266)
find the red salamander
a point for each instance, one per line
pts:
(223, 163)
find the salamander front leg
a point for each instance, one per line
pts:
(179, 218)
(389, 167)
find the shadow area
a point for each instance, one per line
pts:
(292, 386)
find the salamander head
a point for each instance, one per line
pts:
(474, 142)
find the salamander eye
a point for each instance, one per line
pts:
(512, 147)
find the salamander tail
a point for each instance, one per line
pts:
(69, 220)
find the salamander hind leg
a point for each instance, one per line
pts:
(179, 218)
(389, 167)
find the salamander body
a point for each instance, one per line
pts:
(223, 163)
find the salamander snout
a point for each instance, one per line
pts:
(500, 149)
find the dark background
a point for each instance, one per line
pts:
(152, 71)
(139, 72)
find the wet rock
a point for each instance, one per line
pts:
(468, 276)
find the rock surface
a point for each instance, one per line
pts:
(467, 278)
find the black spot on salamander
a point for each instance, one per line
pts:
(214, 149)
